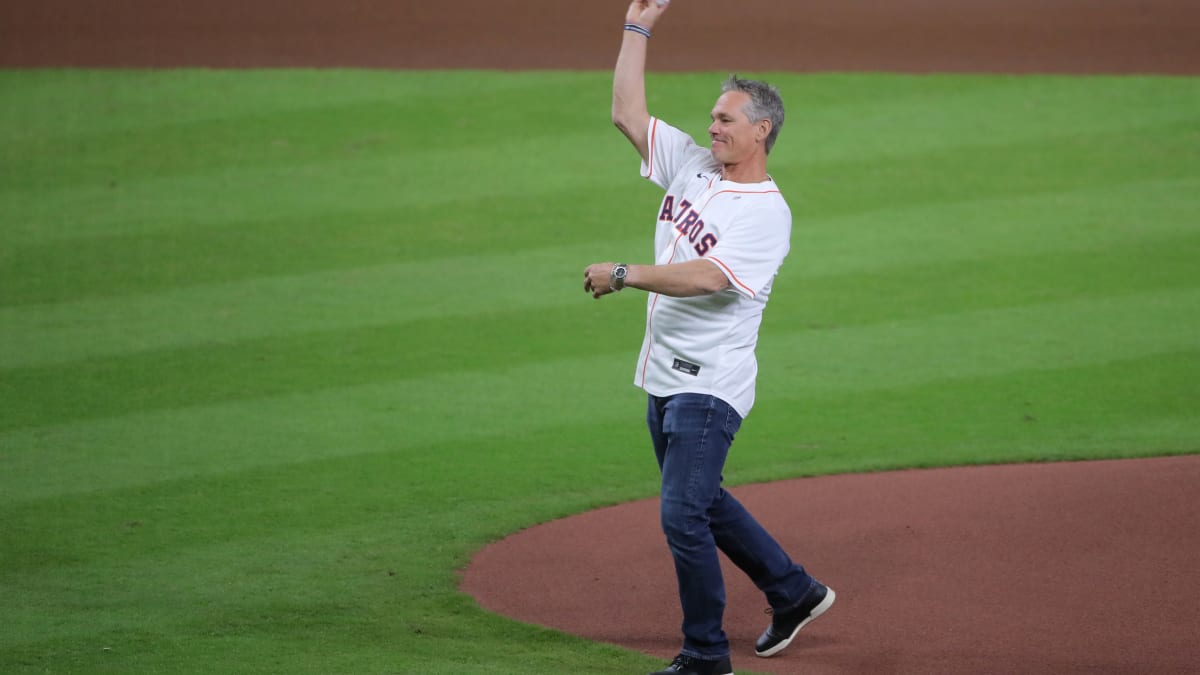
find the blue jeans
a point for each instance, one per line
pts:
(692, 434)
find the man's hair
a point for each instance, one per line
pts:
(765, 103)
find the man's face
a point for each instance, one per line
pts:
(733, 135)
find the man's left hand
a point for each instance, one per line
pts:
(597, 279)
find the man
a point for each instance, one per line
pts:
(723, 231)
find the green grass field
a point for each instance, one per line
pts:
(280, 350)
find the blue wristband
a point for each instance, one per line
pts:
(644, 32)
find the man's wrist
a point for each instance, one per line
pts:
(639, 29)
(616, 277)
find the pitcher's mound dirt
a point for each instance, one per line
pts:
(1087, 567)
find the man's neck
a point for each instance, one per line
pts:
(745, 172)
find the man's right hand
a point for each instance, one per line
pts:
(645, 12)
(629, 77)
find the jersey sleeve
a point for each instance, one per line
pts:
(751, 249)
(669, 150)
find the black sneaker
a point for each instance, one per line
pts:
(785, 624)
(689, 665)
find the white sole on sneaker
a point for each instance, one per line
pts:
(825, 604)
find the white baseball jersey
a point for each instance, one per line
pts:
(706, 344)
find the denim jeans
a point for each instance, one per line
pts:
(692, 434)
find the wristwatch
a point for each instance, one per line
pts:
(616, 278)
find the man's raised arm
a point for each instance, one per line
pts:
(629, 111)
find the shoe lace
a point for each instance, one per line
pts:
(681, 661)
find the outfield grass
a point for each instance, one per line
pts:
(280, 350)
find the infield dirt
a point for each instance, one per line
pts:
(1018, 36)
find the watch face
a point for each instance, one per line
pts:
(620, 272)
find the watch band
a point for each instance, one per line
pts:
(616, 278)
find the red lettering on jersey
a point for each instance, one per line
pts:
(684, 205)
(687, 222)
(668, 205)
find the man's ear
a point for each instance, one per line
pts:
(762, 130)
